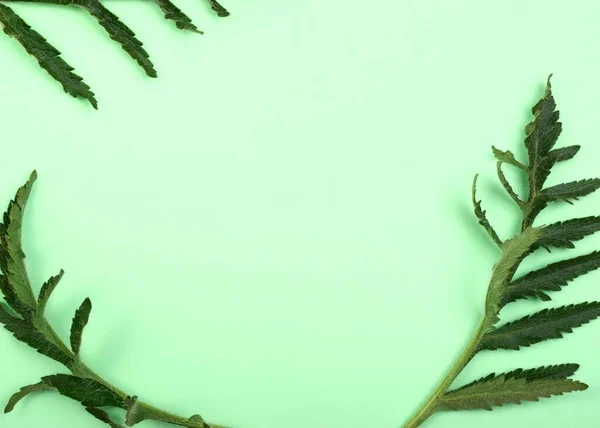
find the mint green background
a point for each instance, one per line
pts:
(277, 232)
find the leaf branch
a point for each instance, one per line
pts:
(526, 385)
(23, 316)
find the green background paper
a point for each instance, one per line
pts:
(277, 232)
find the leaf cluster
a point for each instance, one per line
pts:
(50, 59)
(22, 314)
(552, 323)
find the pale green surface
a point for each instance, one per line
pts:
(290, 200)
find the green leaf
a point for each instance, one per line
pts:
(23, 392)
(13, 301)
(568, 191)
(103, 416)
(541, 136)
(480, 213)
(493, 391)
(120, 33)
(551, 278)
(563, 234)
(561, 192)
(46, 54)
(561, 154)
(88, 392)
(221, 11)
(559, 371)
(543, 325)
(82, 316)
(12, 258)
(508, 157)
(24, 330)
(46, 291)
(173, 13)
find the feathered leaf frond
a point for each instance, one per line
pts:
(551, 278)
(512, 388)
(50, 58)
(543, 325)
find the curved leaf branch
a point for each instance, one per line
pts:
(23, 316)
(526, 385)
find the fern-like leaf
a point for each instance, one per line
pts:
(12, 258)
(509, 388)
(559, 371)
(88, 392)
(47, 55)
(563, 234)
(46, 291)
(543, 325)
(173, 13)
(23, 392)
(562, 154)
(25, 331)
(570, 191)
(542, 135)
(480, 213)
(80, 320)
(217, 7)
(551, 278)
(120, 33)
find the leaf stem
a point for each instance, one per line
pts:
(429, 407)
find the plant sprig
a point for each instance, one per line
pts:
(49, 58)
(532, 384)
(23, 315)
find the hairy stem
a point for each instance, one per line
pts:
(429, 407)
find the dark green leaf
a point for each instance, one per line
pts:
(569, 191)
(562, 154)
(12, 299)
(46, 54)
(221, 11)
(23, 392)
(12, 258)
(175, 14)
(493, 391)
(120, 33)
(24, 330)
(541, 136)
(559, 371)
(543, 325)
(46, 291)
(480, 213)
(561, 192)
(88, 392)
(563, 234)
(80, 320)
(551, 278)
(103, 416)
